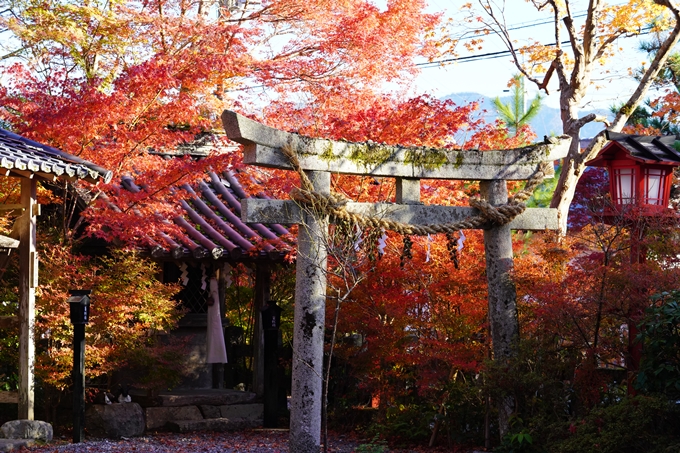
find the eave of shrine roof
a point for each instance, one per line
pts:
(211, 226)
(19, 154)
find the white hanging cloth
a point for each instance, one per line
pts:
(461, 240)
(216, 351)
(184, 276)
(382, 243)
(427, 253)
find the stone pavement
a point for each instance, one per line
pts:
(15, 444)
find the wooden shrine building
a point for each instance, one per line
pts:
(210, 241)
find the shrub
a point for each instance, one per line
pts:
(660, 334)
(128, 306)
(639, 424)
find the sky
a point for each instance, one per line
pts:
(489, 76)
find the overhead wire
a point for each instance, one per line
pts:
(499, 54)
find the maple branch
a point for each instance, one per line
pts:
(500, 28)
(660, 58)
(609, 41)
(546, 79)
(125, 156)
(136, 119)
(576, 47)
(151, 195)
(580, 331)
(14, 53)
(253, 16)
(304, 51)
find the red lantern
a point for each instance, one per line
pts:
(640, 170)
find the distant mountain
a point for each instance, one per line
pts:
(547, 122)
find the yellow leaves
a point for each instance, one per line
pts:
(473, 45)
(513, 82)
(93, 36)
(631, 17)
(536, 55)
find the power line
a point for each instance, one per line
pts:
(494, 55)
(479, 57)
(471, 58)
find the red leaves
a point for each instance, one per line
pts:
(419, 322)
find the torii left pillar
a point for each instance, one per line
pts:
(308, 336)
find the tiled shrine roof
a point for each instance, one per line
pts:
(211, 227)
(23, 157)
(648, 149)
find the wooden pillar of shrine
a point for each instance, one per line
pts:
(28, 281)
(262, 295)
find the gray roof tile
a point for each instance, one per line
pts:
(21, 153)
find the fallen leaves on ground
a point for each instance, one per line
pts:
(255, 441)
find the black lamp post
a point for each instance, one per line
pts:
(271, 320)
(79, 304)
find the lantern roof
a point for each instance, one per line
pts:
(647, 149)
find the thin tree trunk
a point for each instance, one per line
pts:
(327, 377)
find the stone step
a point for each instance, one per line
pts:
(253, 412)
(15, 444)
(176, 398)
(159, 417)
(220, 398)
(213, 424)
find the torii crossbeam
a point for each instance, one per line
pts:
(319, 158)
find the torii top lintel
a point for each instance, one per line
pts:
(262, 146)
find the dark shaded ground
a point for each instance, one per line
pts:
(256, 441)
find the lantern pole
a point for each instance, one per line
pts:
(79, 304)
(271, 320)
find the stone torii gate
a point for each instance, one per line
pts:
(269, 147)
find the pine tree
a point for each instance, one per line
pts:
(515, 114)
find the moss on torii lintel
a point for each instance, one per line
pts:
(369, 153)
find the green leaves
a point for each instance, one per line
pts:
(660, 335)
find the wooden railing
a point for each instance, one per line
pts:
(9, 397)
(8, 321)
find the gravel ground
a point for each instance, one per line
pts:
(257, 441)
